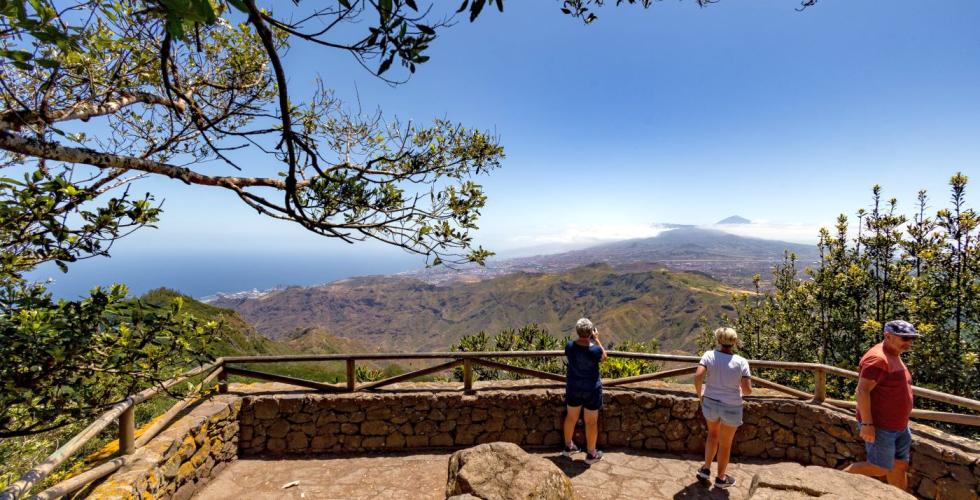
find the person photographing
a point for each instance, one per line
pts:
(584, 388)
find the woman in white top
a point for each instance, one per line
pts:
(721, 402)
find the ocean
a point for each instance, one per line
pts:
(207, 274)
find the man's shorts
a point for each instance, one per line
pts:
(888, 447)
(591, 398)
(713, 410)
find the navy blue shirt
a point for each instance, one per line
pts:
(583, 366)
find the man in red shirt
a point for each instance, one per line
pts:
(884, 402)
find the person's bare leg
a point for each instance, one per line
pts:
(570, 419)
(591, 429)
(726, 434)
(897, 477)
(866, 469)
(711, 443)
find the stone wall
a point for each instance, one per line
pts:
(943, 466)
(179, 460)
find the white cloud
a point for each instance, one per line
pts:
(793, 232)
(587, 235)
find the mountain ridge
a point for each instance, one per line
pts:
(405, 314)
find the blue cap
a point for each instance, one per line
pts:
(901, 328)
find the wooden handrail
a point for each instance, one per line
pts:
(24, 484)
(468, 359)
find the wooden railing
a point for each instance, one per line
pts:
(221, 368)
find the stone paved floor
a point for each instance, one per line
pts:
(619, 475)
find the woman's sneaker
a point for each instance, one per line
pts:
(728, 482)
(570, 450)
(591, 459)
(704, 474)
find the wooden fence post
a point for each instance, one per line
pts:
(468, 375)
(820, 385)
(127, 431)
(351, 375)
(222, 381)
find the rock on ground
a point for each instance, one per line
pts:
(505, 471)
(784, 481)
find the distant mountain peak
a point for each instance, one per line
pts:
(735, 219)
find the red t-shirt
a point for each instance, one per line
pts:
(891, 398)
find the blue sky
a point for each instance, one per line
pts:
(671, 114)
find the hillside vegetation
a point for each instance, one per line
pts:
(404, 314)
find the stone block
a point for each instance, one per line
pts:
(784, 437)
(684, 408)
(840, 432)
(494, 424)
(616, 438)
(511, 436)
(322, 443)
(325, 418)
(751, 448)
(299, 418)
(297, 441)
(928, 466)
(927, 488)
(375, 428)
(288, 405)
(265, 408)
(552, 438)
(655, 443)
(185, 492)
(675, 430)
(350, 443)
(443, 439)
(488, 437)
(534, 437)
(373, 442)
(170, 467)
(395, 440)
(275, 445)
(185, 472)
(784, 419)
(416, 441)
(951, 489)
(278, 429)
(660, 416)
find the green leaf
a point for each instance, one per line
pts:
(47, 63)
(240, 5)
(385, 65)
(16, 55)
(384, 10)
(476, 8)
(411, 5)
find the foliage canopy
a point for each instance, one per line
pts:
(925, 269)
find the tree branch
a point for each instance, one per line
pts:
(58, 152)
(18, 119)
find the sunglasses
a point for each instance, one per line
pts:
(906, 339)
